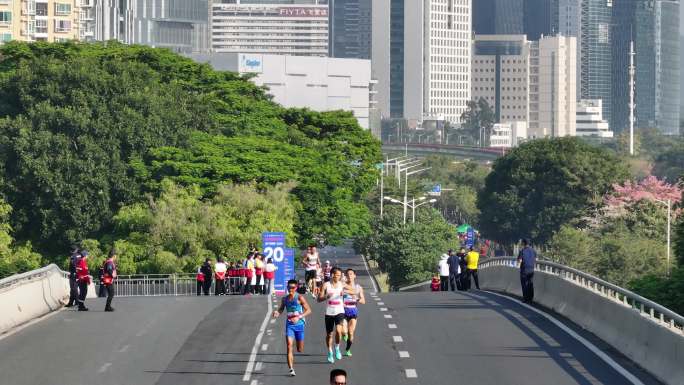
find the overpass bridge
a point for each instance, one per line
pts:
(583, 331)
(460, 152)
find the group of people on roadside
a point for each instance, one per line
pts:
(80, 278)
(254, 274)
(457, 271)
(341, 294)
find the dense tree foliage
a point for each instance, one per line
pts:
(478, 120)
(542, 185)
(88, 128)
(408, 253)
(14, 258)
(670, 163)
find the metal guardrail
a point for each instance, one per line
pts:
(30, 276)
(647, 308)
(154, 285)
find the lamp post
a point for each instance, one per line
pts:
(668, 204)
(412, 205)
(407, 166)
(406, 187)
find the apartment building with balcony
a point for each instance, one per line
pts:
(39, 20)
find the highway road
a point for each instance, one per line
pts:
(403, 338)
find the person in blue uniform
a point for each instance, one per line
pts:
(296, 309)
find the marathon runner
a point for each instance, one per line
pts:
(334, 312)
(311, 264)
(327, 269)
(297, 309)
(353, 295)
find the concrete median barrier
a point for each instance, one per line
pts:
(654, 346)
(27, 296)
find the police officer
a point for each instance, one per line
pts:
(83, 279)
(108, 277)
(73, 286)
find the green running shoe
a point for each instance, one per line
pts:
(348, 353)
(345, 337)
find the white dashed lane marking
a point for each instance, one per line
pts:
(259, 365)
(392, 326)
(264, 347)
(411, 373)
(388, 316)
(383, 309)
(254, 382)
(104, 367)
(397, 339)
(381, 304)
(403, 354)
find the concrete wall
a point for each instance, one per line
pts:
(652, 346)
(34, 297)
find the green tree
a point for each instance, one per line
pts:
(542, 185)
(679, 241)
(408, 253)
(478, 120)
(670, 163)
(666, 291)
(14, 259)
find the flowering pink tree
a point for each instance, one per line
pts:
(651, 189)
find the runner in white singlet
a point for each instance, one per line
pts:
(353, 295)
(311, 263)
(334, 312)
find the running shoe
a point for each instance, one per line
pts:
(338, 354)
(348, 353)
(292, 372)
(330, 357)
(345, 337)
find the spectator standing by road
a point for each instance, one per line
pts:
(444, 272)
(206, 270)
(462, 264)
(527, 258)
(220, 270)
(472, 260)
(269, 275)
(249, 274)
(108, 278)
(454, 271)
(259, 273)
(73, 284)
(83, 278)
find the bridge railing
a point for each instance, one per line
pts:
(154, 285)
(30, 276)
(647, 308)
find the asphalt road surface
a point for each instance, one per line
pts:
(402, 338)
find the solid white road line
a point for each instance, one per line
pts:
(257, 341)
(607, 359)
(397, 339)
(411, 373)
(403, 354)
(392, 326)
(365, 264)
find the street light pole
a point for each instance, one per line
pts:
(406, 188)
(668, 203)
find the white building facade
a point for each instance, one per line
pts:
(507, 135)
(436, 58)
(269, 28)
(318, 83)
(590, 120)
(500, 75)
(553, 87)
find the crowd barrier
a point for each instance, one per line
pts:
(183, 284)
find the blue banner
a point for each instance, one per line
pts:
(470, 237)
(273, 246)
(285, 272)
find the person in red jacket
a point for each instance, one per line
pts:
(108, 277)
(83, 279)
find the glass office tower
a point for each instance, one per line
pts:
(350, 29)
(595, 53)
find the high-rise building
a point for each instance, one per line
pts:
(500, 75)
(39, 20)
(653, 25)
(590, 120)
(179, 25)
(498, 17)
(430, 42)
(380, 54)
(350, 29)
(595, 53)
(292, 27)
(553, 92)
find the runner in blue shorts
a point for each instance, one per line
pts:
(297, 309)
(353, 295)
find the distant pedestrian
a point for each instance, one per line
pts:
(73, 284)
(454, 271)
(269, 275)
(249, 274)
(338, 377)
(108, 278)
(472, 260)
(200, 280)
(208, 273)
(444, 272)
(527, 258)
(259, 273)
(83, 278)
(220, 270)
(463, 267)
